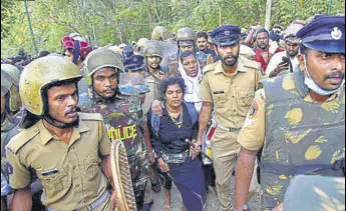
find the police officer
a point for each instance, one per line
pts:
(154, 73)
(123, 116)
(127, 52)
(186, 39)
(135, 64)
(161, 33)
(229, 85)
(10, 120)
(65, 149)
(140, 46)
(299, 119)
(10, 105)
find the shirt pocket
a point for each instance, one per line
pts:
(246, 98)
(92, 171)
(220, 99)
(56, 183)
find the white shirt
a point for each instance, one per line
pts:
(277, 59)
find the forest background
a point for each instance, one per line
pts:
(106, 22)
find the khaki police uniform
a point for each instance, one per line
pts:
(71, 175)
(231, 97)
(152, 81)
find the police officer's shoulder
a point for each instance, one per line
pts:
(210, 68)
(22, 139)
(250, 63)
(90, 117)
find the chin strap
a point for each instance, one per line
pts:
(62, 125)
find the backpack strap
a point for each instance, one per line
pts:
(155, 123)
(192, 112)
(156, 119)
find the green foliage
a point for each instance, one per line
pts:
(106, 22)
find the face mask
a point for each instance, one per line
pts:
(311, 84)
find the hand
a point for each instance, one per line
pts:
(256, 27)
(162, 75)
(157, 107)
(195, 150)
(163, 166)
(113, 201)
(282, 67)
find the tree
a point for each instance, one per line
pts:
(106, 22)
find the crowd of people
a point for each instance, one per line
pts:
(193, 109)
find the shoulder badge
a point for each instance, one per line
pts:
(336, 33)
(90, 116)
(21, 139)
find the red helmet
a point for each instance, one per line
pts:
(70, 43)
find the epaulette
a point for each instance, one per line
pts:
(251, 64)
(209, 68)
(90, 116)
(21, 139)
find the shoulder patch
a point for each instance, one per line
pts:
(90, 116)
(21, 139)
(251, 64)
(209, 68)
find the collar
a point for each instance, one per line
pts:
(46, 136)
(97, 99)
(241, 67)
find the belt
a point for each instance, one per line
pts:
(93, 205)
(175, 158)
(229, 129)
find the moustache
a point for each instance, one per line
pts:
(334, 75)
(72, 110)
(231, 57)
(109, 90)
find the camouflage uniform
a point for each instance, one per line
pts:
(124, 121)
(307, 146)
(186, 36)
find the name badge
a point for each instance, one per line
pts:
(219, 92)
(50, 172)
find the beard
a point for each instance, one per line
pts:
(231, 60)
(292, 54)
